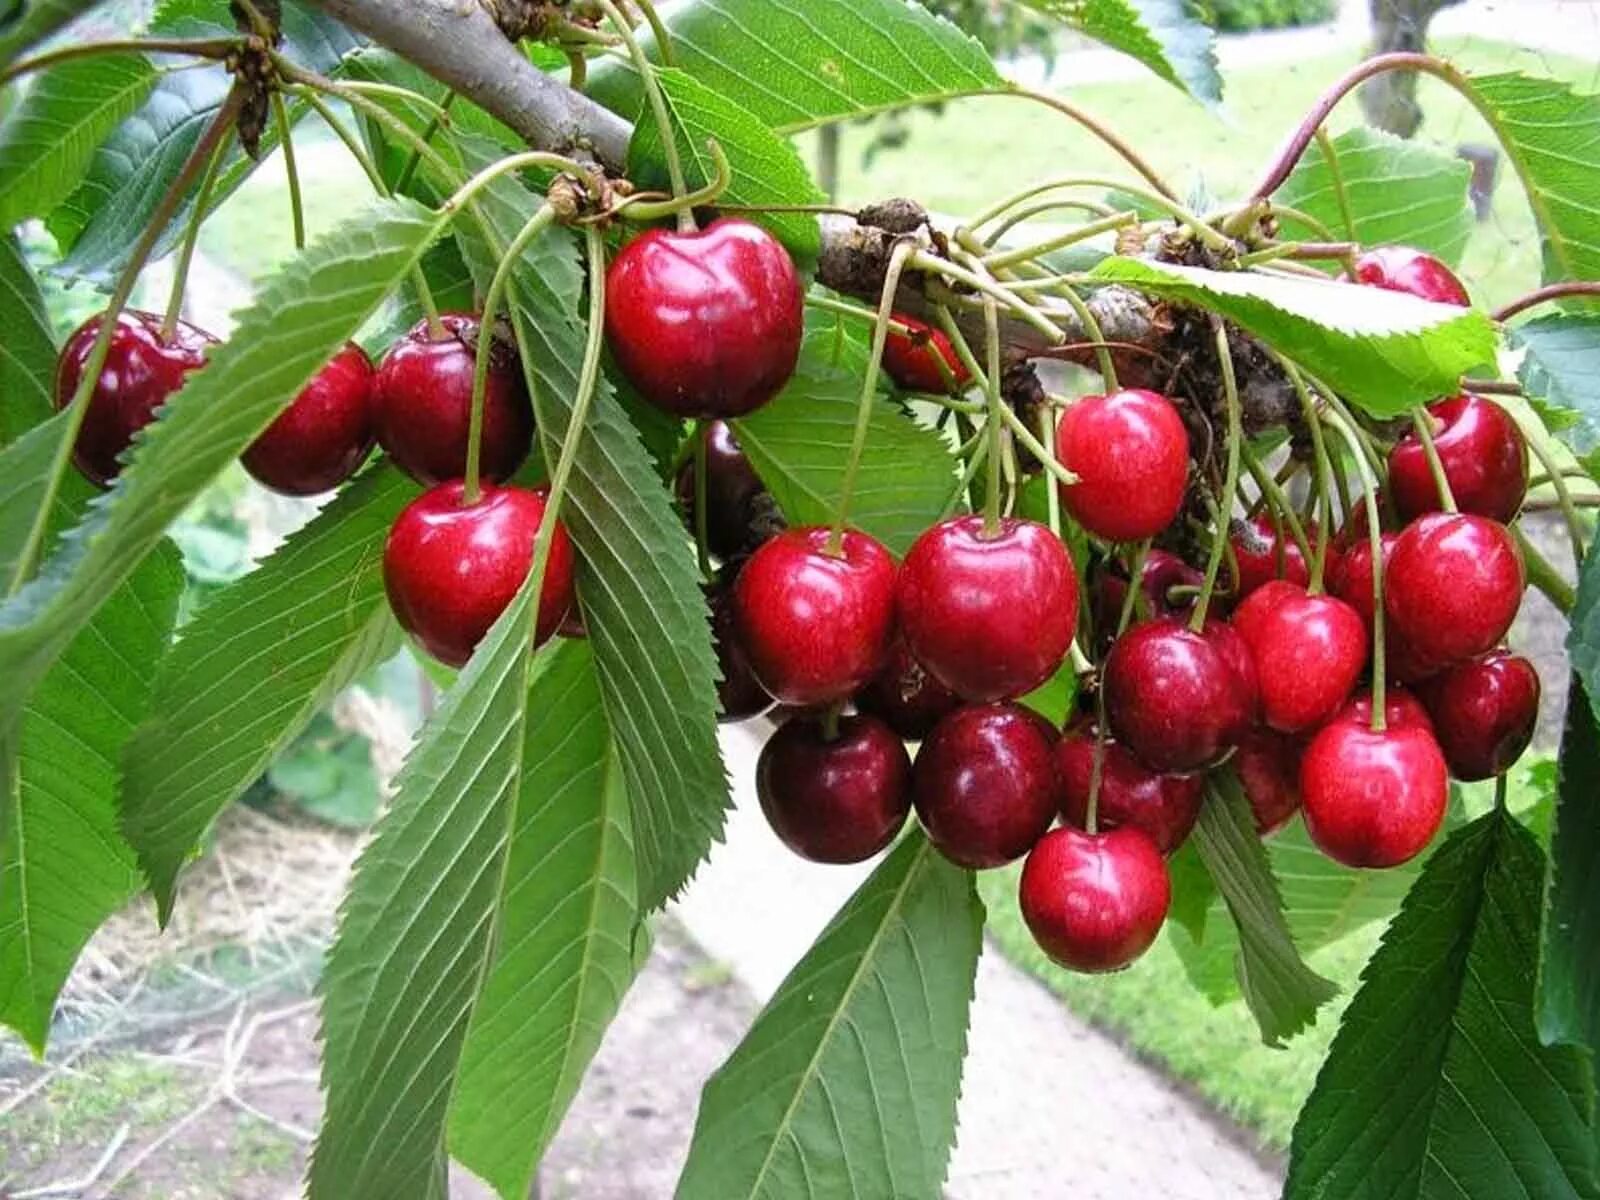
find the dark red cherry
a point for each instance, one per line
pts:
(1172, 697)
(451, 568)
(1373, 799)
(985, 784)
(1262, 555)
(739, 693)
(1309, 651)
(816, 626)
(317, 443)
(705, 324)
(1404, 269)
(142, 370)
(1351, 578)
(912, 360)
(1163, 806)
(1484, 455)
(1235, 652)
(1484, 713)
(989, 614)
(834, 800)
(422, 403)
(1094, 901)
(1161, 574)
(733, 493)
(1130, 453)
(1454, 585)
(1400, 708)
(1268, 766)
(908, 699)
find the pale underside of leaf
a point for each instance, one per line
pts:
(1165, 35)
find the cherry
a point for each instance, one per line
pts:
(733, 492)
(317, 443)
(705, 324)
(838, 799)
(142, 370)
(908, 699)
(1173, 697)
(989, 614)
(1351, 578)
(739, 693)
(451, 568)
(1165, 807)
(422, 403)
(1268, 766)
(1160, 574)
(1484, 455)
(1484, 712)
(1094, 901)
(1234, 651)
(1256, 548)
(1130, 453)
(1309, 652)
(816, 626)
(1373, 798)
(1455, 582)
(912, 360)
(1404, 269)
(985, 784)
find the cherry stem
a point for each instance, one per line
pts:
(995, 421)
(958, 343)
(1491, 387)
(976, 453)
(658, 30)
(212, 48)
(1230, 483)
(1341, 194)
(658, 109)
(1052, 495)
(640, 208)
(1097, 764)
(1325, 473)
(259, 25)
(1102, 349)
(1039, 449)
(1130, 598)
(435, 123)
(859, 311)
(1097, 127)
(1554, 291)
(1093, 207)
(433, 108)
(1422, 422)
(702, 533)
(1564, 500)
(999, 260)
(921, 260)
(1207, 235)
(1277, 503)
(1543, 576)
(191, 236)
(1300, 251)
(830, 721)
(1369, 482)
(297, 211)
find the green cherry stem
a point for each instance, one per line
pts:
(658, 108)
(1230, 483)
(1091, 326)
(1027, 213)
(1543, 576)
(1422, 422)
(1564, 499)
(1369, 483)
(429, 132)
(859, 311)
(297, 208)
(658, 30)
(976, 453)
(1130, 598)
(921, 260)
(702, 520)
(963, 349)
(1324, 461)
(210, 48)
(1052, 494)
(1036, 447)
(1341, 194)
(191, 236)
(999, 260)
(994, 422)
(1277, 502)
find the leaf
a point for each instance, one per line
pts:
(48, 140)
(1397, 191)
(1164, 35)
(253, 668)
(1583, 638)
(799, 444)
(24, 467)
(29, 22)
(27, 350)
(1282, 992)
(1561, 366)
(328, 773)
(1436, 1085)
(565, 956)
(846, 1084)
(300, 317)
(1385, 351)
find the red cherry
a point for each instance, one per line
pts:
(912, 360)
(317, 443)
(1172, 697)
(142, 370)
(816, 626)
(733, 490)
(1309, 652)
(1268, 766)
(1094, 901)
(1484, 713)
(839, 799)
(908, 699)
(451, 568)
(1161, 573)
(1404, 269)
(985, 784)
(1256, 549)
(739, 693)
(990, 615)
(1235, 652)
(1162, 806)
(1351, 579)
(1373, 799)
(1454, 585)
(1400, 708)
(705, 324)
(1484, 455)
(422, 403)
(1130, 453)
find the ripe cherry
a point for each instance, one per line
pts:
(1256, 549)
(1454, 585)
(989, 614)
(317, 443)
(734, 493)
(1484, 455)
(1163, 806)
(451, 568)
(1351, 578)
(1268, 765)
(1404, 269)
(739, 693)
(422, 402)
(912, 360)
(815, 625)
(1484, 713)
(1130, 453)
(908, 699)
(1172, 697)
(705, 324)
(837, 799)
(1094, 901)
(1308, 651)
(1234, 651)
(1161, 573)
(142, 370)
(1373, 799)
(985, 784)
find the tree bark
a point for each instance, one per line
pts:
(1390, 100)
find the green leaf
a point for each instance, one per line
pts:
(48, 140)
(565, 954)
(846, 1085)
(1583, 638)
(1165, 35)
(1396, 191)
(328, 773)
(799, 443)
(27, 351)
(24, 467)
(253, 668)
(1282, 992)
(1561, 367)
(28, 22)
(1385, 351)
(1436, 1085)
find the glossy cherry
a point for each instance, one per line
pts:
(142, 370)
(1161, 573)
(739, 693)
(1373, 799)
(733, 492)
(1172, 697)
(838, 799)
(317, 443)
(989, 614)
(1162, 806)
(705, 324)
(1405, 269)
(816, 626)
(1484, 455)
(1351, 578)
(1262, 555)
(451, 568)
(1234, 651)
(985, 784)
(1484, 713)
(1454, 585)
(1094, 901)
(1130, 452)
(1268, 765)
(422, 403)
(1309, 652)
(908, 699)
(912, 360)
